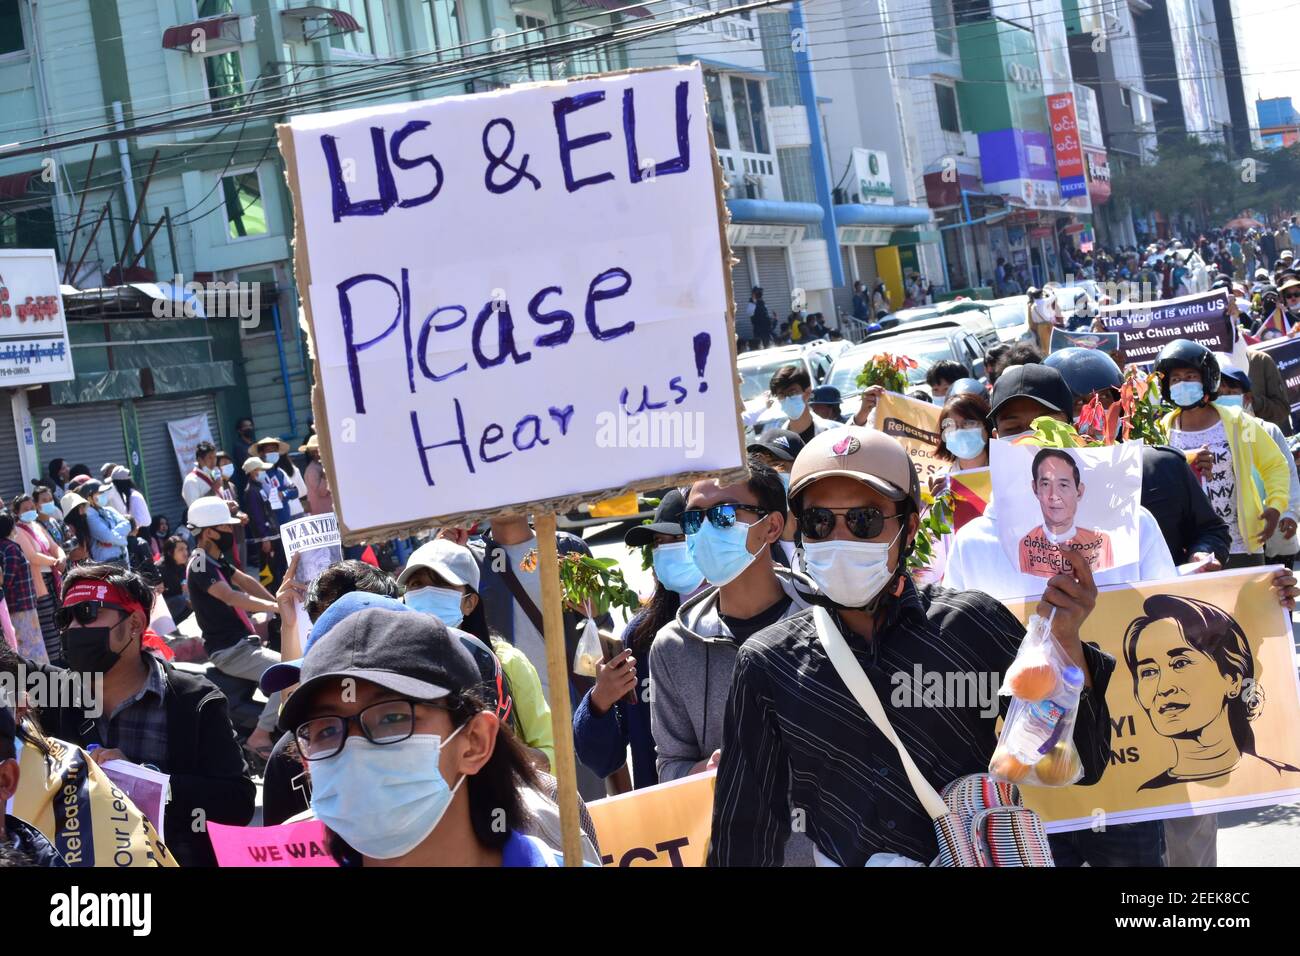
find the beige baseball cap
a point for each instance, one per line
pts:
(863, 454)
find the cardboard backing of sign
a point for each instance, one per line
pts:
(559, 505)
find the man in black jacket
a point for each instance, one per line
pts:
(1170, 489)
(147, 711)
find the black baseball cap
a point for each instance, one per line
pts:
(1039, 382)
(779, 442)
(667, 520)
(414, 655)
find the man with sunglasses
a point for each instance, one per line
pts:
(796, 736)
(148, 712)
(729, 532)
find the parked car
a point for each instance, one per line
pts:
(927, 346)
(1011, 318)
(757, 368)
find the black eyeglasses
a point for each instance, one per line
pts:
(387, 722)
(819, 523)
(720, 516)
(85, 613)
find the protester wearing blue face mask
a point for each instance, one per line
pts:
(792, 388)
(615, 714)
(280, 488)
(442, 578)
(729, 532)
(940, 377)
(964, 432)
(411, 768)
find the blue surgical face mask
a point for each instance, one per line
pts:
(939, 400)
(28, 516)
(1187, 394)
(1236, 401)
(675, 569)
(793, 406)
(965, 443)
(785, 480)
(442, 603)
(384, 800)
(721, 553)
(227, 470)
(272, 457)
(50, 508)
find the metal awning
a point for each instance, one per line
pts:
(16, 185)
(327, 22)
(220, 34)
(874, 214)
(619, 5)
(774, 211)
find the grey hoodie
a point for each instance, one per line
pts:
(691, 661)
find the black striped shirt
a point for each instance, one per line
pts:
(799, 753)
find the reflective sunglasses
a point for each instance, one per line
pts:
(85, 613)
(819, 523)
(387, 722)
(720, 516)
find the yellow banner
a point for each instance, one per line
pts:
(619, 507)
(916, 425)
(664, 825)
(90, 821)
(1204, 704)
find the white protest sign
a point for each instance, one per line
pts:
(516, 300)
(186, 433)
(33, 330)
(317, 538)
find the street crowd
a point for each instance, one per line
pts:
(408, 689)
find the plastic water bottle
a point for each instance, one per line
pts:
(1039, 725)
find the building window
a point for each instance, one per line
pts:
(225, 76)
(944, 25)
(774, 30)
(245, 213)
(534, 34)
(213, 8)
(946, 97)
(373, 39)
(11, 27)
(592, 59)
(29, 228)
(1124, 96)
(747, 101)
(717, 111)
(795, 164)
(442, 22)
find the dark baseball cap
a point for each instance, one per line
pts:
(667, 520)
(411, 654)
(1039, 382)
(825, 395)
(778, 442)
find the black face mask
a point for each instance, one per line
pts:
(226, 540)
(86, 649)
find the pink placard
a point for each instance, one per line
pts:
(290, 844)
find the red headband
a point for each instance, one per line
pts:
(86, 590)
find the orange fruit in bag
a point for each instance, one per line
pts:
(1006, 767)
(1059, 766)
(1032, 681)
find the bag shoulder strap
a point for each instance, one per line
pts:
(517, 589)
(855, 679)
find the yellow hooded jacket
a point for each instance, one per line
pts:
(1253, 453)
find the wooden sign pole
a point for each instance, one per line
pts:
(557, 669)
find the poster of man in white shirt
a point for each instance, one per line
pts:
(1051, 500)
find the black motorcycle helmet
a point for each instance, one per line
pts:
(1184, 353)
(1085, 370)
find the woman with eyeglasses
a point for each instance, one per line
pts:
(408, 765)
(729, 532)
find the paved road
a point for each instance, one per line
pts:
(1269, 836)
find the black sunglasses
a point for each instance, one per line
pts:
(819, 523)
(85, 613)
(720, 516)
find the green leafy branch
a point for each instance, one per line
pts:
(935, 522)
